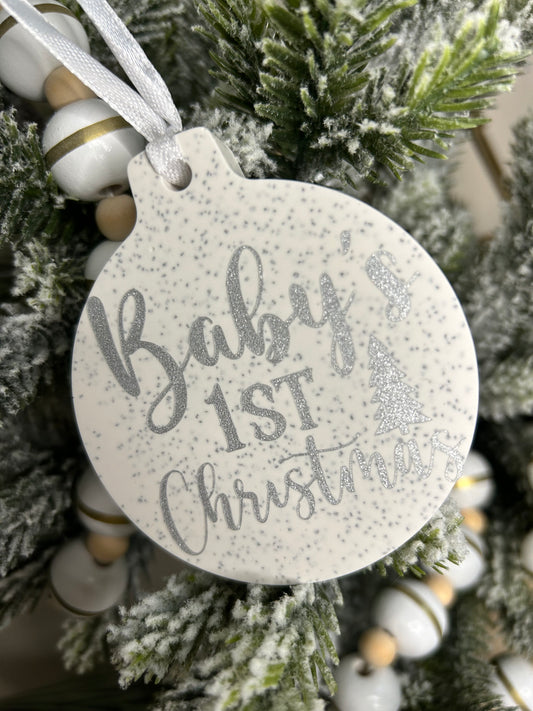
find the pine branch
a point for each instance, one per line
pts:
(438, 543)
(32, 510)
(21, 591)
(422, 205)
(84, 645)
(506, 589)
(28, 193)
(500, 307)
(339, 89)
(508, 389)
(49, 238)
(241, 648)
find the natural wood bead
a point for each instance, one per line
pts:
(378, 647)
(106, 549)
(115, 217)
(442, 588)
(62, 88)
(474, 519)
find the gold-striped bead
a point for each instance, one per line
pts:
(43, 8)
(82, 136)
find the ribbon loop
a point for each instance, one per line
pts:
(151, 111)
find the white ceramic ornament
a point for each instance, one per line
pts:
(359, 689)
(97, 510)
(526, 552)
(476, 487)
(98, 258)
(468, 572)
(414, 615)
(83, 586)
(268, 375)
(87, 147)
(513, 681)
(24, 63)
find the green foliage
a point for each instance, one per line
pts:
(228, 646)
(47, 237)
(500, 307)
(345, 93)
(28, 193)
(437, 544)
(506, 589)
(422, 205)
(83, 643)
(33, 509)
(23, 588)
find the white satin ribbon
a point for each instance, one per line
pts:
(151, 111)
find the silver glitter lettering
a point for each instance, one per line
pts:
(395, 289)
(295, 388)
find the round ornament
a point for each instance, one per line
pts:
(513, 681)
(82, 585)
(268, 374)
(24, 63)
(361, 689)
(476, 486)
(412, 613)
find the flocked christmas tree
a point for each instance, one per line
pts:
(364, 97)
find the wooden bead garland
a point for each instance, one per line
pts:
(88, 147)
(412, 615)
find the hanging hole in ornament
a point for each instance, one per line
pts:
(184, 180)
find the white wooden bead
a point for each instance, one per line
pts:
(360, 689)
(97, 510)
(97, 259)
(526, 552)
(468, 572)
(476, 486)
(24, 63)
(83, 586)
(88, 146)
(513, 681)
(414, 615)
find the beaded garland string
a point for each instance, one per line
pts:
(411, 616)
(89, 574)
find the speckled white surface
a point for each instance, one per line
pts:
(354, 469)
